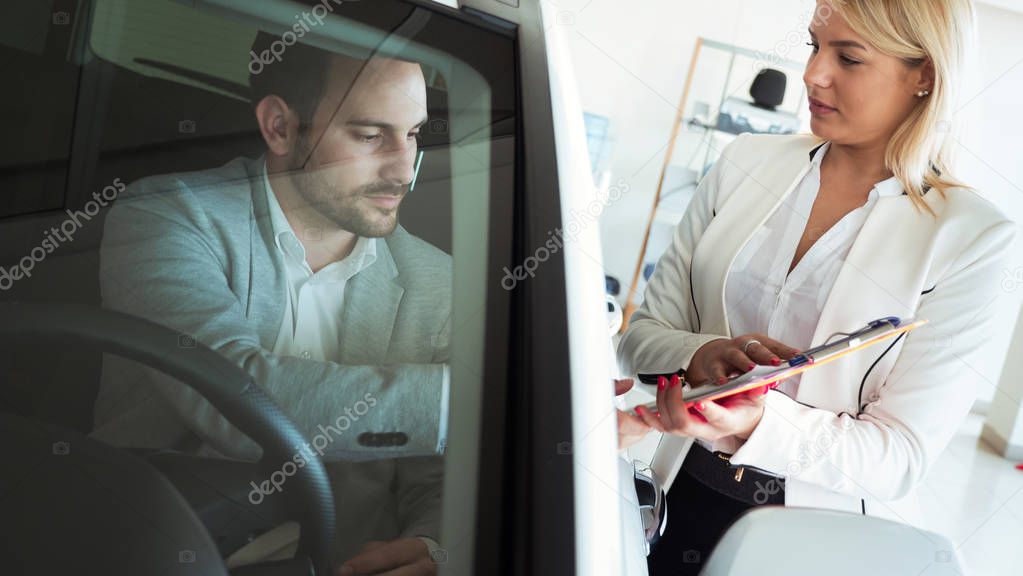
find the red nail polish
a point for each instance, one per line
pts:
(662, 382)
(699, 406)
(1019, 466)
(773, 385)
(638, 410)
(775, 361)
(751, 366)
(722, 380)
(675, 380)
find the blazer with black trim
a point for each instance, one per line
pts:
(862, 432)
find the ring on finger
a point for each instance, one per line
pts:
(745, 348)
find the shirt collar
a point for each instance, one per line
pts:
(889, 187)
(278, 222)
(362, 255)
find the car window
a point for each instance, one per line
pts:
(37, 49)
(307, 188)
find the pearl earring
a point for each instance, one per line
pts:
(922, 93)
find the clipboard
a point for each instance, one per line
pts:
(874, 332)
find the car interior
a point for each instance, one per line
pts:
(118, 90)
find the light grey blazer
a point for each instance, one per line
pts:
(195, 252)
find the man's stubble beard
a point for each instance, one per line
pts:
(347, 210)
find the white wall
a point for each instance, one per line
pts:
(631, 64)
(989, 152)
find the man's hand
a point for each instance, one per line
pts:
(402, 557)
(631, 428)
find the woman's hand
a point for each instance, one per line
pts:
(720, 359)
(631, 428)
(736, 415)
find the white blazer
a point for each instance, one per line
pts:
(863, 431)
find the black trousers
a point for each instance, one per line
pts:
(697, 518)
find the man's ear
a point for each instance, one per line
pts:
(278, 124)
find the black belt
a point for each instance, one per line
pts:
(742, 483)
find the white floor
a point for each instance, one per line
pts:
(975, 497)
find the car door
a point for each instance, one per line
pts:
(111, 92)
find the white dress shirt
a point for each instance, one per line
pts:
(315, 300)
(309, 328)
(758, 295)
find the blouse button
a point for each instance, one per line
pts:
(306, 354)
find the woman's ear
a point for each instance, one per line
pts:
(278, 124)
(925, 78)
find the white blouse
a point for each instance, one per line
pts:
(758, 295)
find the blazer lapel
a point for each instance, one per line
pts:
(751, 205)
(868, 286)
(267, 277)
(371, 305)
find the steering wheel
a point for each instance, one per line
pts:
(229, 389)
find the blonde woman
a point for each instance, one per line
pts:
(791, 239)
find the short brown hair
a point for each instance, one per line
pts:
(299, 76)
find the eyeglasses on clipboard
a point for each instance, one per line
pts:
(875, 331)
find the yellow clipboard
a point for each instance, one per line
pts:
(874, 332)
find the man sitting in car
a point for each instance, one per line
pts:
(293, 265)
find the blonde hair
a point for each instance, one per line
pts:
(919, 153)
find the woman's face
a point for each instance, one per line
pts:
(858, 96)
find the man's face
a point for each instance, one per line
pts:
(359, 154)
